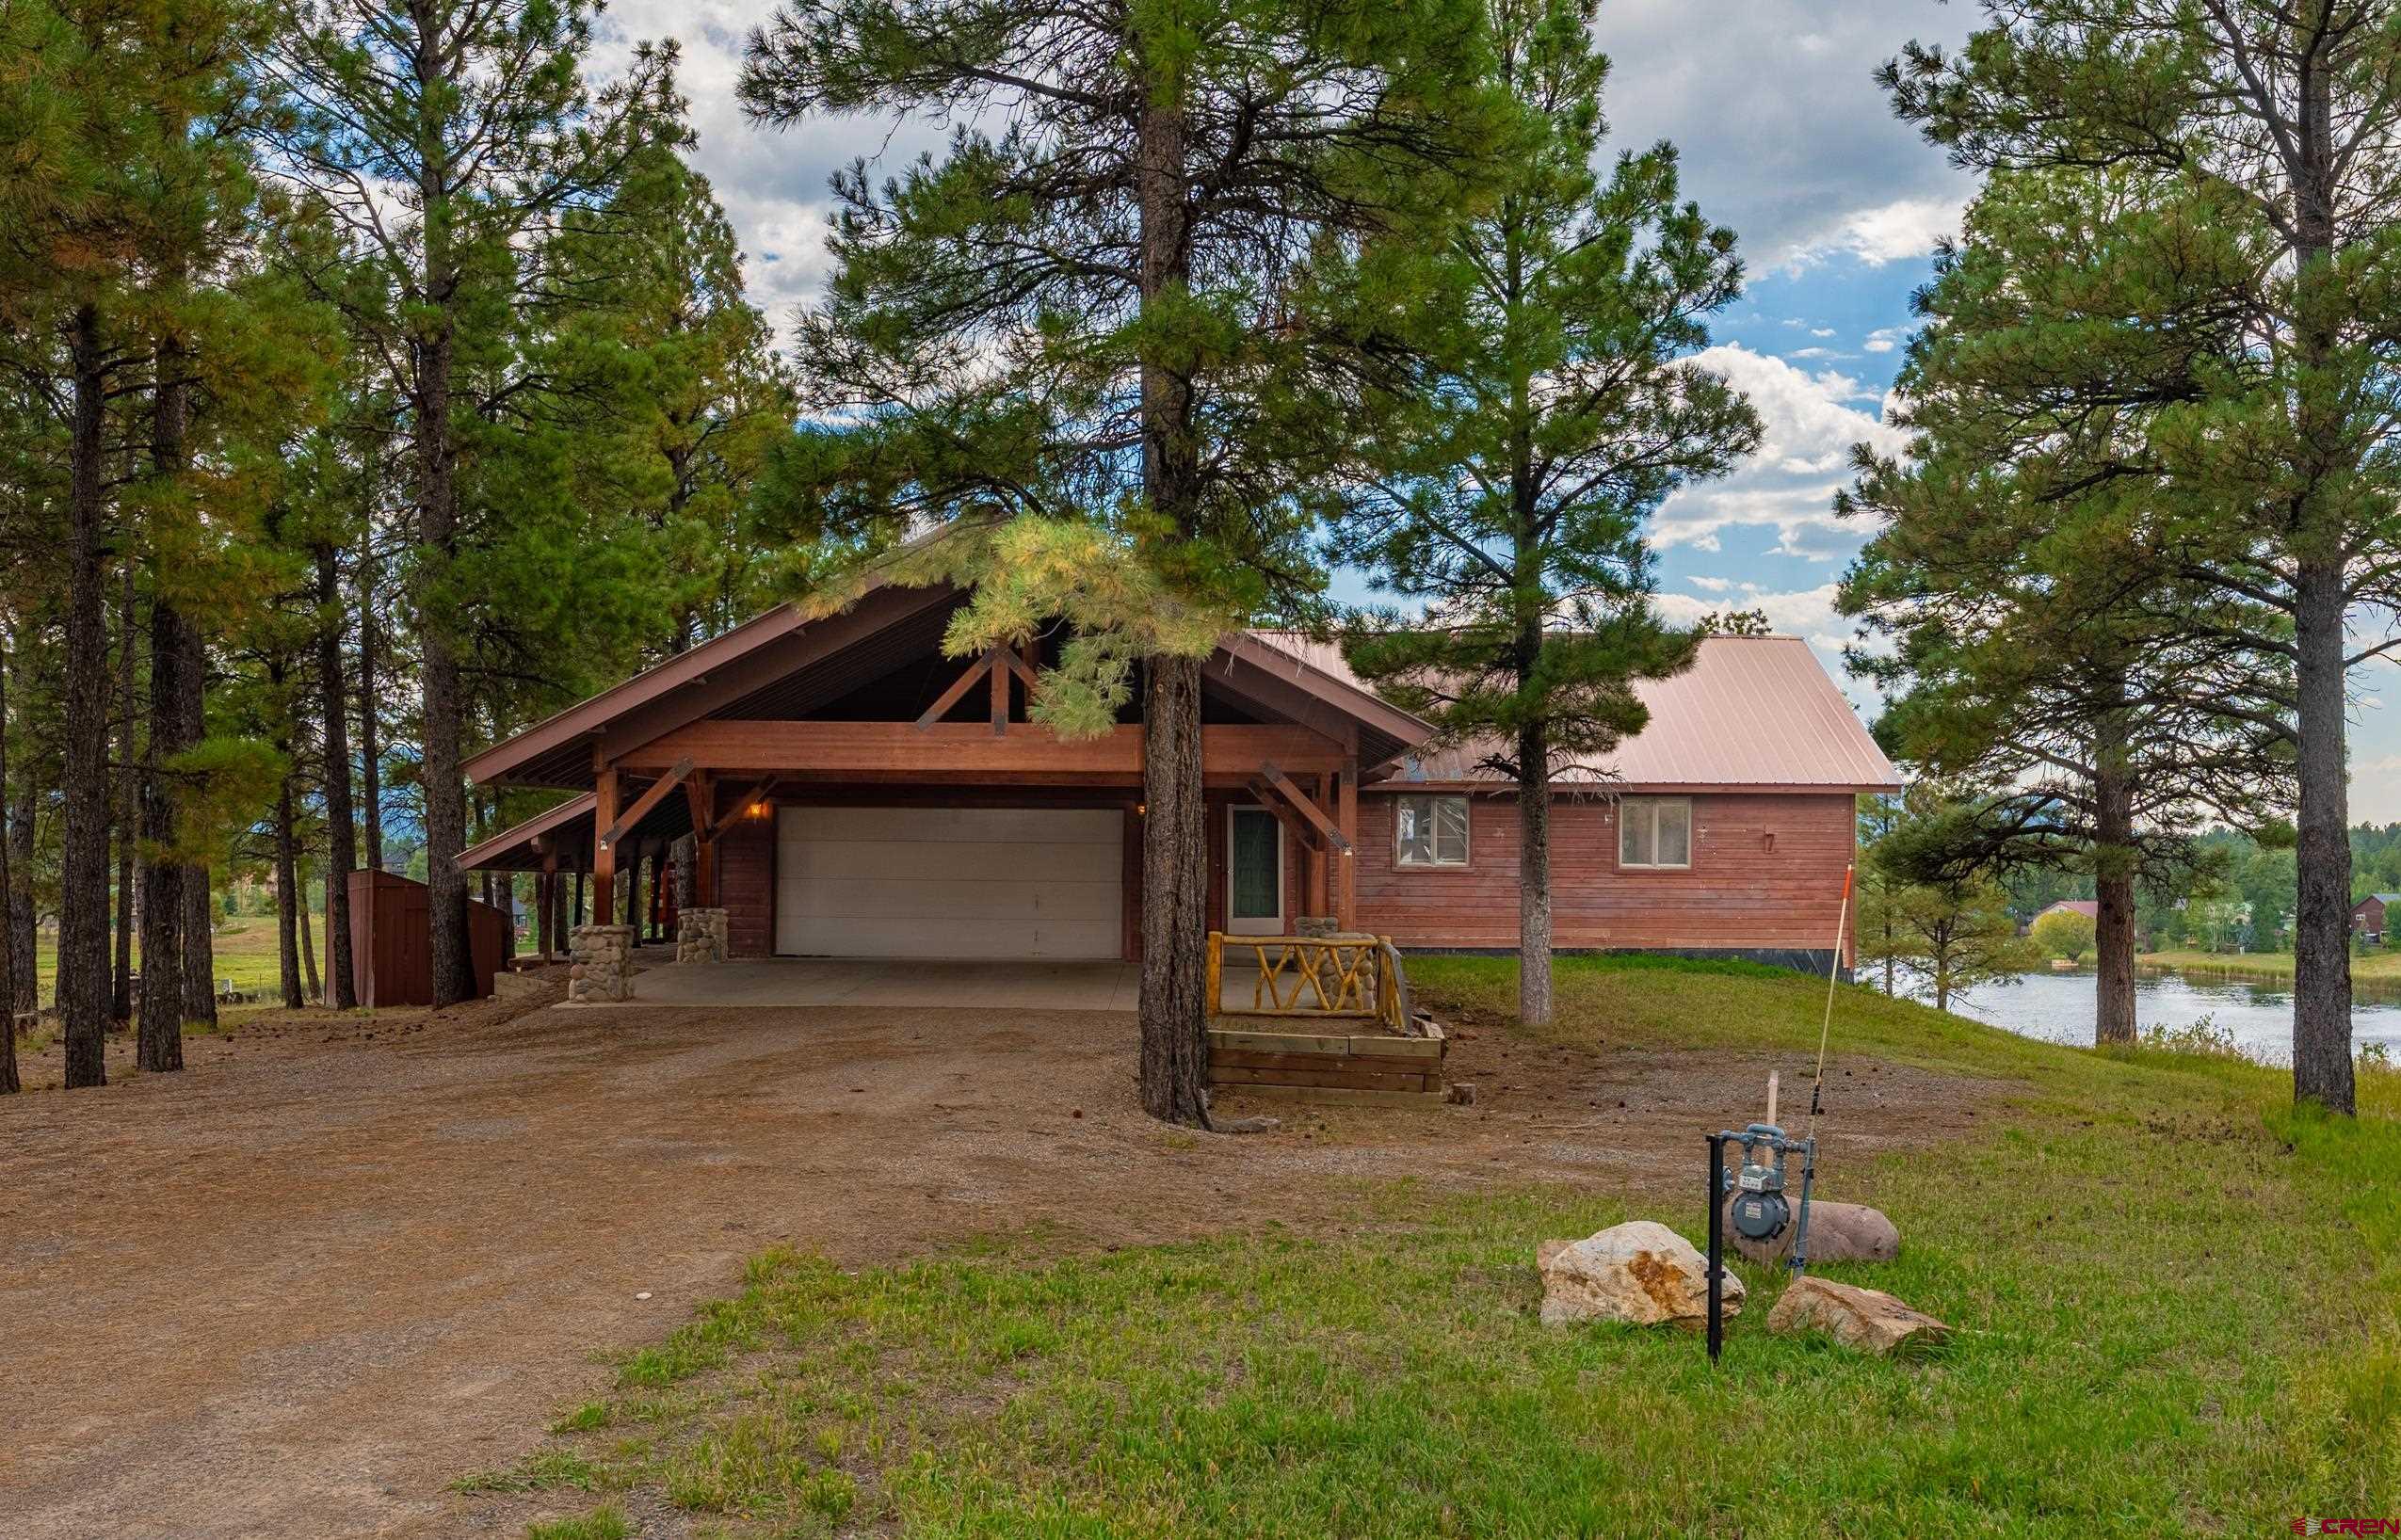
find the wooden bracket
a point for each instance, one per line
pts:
(1269, 800)
(1299, 800)
(649, 799)
(958, 691)
(758, 795)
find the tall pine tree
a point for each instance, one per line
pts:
(1088, 328)
(1552, 406)
(2259, 128)
(476, 115)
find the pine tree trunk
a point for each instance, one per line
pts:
(162, 1006)
(341, 839)
(1175, 849)
(200, 917)
(310, 983)
(1174, 1005)
(1534, 1006)
(287, 902)
(121, 1000)
(2322, 1070)
(370, 747)
(446, 797)
(83, 903)
(25, 984)
(2113, 885)
(2322, 919)
(10, 1083)
(161, 1012)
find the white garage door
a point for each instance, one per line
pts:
(949, 882)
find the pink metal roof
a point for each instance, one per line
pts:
(1751, 710)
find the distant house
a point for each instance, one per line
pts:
(2367, 916)
(2088, 908)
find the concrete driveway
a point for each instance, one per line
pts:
(887, 985)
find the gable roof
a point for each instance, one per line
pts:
(2088, 908)
(1751, 710)
(786, 661)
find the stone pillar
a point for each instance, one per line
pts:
(603, 959)
(700, 935)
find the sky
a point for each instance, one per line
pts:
(1783, 136)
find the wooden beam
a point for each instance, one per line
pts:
(966, 752)
(1000, 691)
(1024, 669)
(643, 804)
(1346, 864)
(1274, 804)
(957, 693)
(1307, 809)
(604, 854)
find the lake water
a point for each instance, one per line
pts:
(2057, 1007)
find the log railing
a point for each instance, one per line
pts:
(1314, 976)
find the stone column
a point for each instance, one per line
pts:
(604, 964)
(700, 935)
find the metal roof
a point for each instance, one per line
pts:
(1751, 710)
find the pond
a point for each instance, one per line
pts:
(2057, 1007)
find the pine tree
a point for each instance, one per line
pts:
(1089, 335)
(1553, 407)
(477, 111)
(119, 113)
(2053, 659)
(2256, 136)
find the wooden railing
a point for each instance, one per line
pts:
(1310, 977)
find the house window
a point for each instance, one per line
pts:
(1654, 832)
(1430, 831)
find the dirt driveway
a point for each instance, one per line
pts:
(298, 1289)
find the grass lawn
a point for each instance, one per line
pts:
(246, 952)
(2178, 1303)
(2277, 965)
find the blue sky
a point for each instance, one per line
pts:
(1783, 136)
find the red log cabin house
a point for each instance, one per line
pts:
(856, 794)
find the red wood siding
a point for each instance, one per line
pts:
(1767, 872)
(746, 886)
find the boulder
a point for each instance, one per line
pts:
(1866, 1319)
(1639, 1272)
(1838, 1232)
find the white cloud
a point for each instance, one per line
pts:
(1884, 339)
(1810, 162)
(1808, 423)
(1895, 232)
(1711, 585)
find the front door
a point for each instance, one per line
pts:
(1254, 872)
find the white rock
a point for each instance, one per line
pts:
(1639, 1272)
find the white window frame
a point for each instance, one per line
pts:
(1647, 808)
(1467, 831)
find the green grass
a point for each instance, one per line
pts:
(605, 1522)
(247, 952)
(2382, 965)
(2176, 1300)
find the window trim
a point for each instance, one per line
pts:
(1401, 861)
(1651, 805)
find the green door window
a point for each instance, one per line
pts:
(1256, 879)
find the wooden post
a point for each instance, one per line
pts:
(700, 790)
(1347, 860)
(546, 902)
(1000, 694)
(604, 851)
(1313, 864)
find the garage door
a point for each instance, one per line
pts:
(949, 882)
